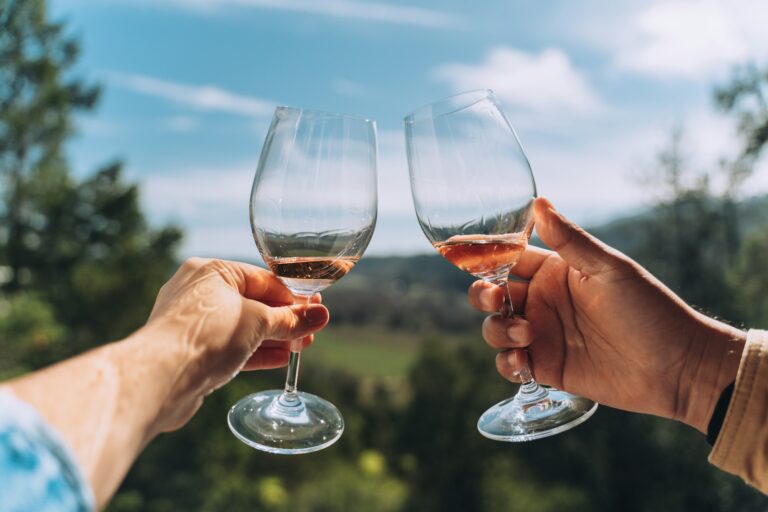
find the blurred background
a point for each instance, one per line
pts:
(129, 133)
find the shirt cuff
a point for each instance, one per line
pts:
(741, 447)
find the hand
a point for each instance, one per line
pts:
(599, 325)
(224, 317)
(212, 319)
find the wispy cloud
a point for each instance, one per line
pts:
(690, 39)
(199, 97)
(357, 10)
(543, 82)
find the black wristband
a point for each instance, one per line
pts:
(718, 415)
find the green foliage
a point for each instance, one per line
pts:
(77, 257)
(750, 277)
(506, 489)
(30, 336)
(349, 487)
(93, 247)
(37, 98)
(745, 97)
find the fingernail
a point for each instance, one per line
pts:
(315, 314)
(515, 332)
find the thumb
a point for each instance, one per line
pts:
(287, 322)
(578, 248)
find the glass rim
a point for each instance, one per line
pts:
(322, 113)
(426, 111)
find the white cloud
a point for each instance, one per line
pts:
(354, 10)
(197, 192)
(225, 241)
(543, 82)
(205, 97)
(212, 204)
(601, 177)
(394, 182)
(691, 38)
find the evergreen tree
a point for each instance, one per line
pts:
(80, 250)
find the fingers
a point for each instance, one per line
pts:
(506, 333)
(488, 297)
(305, 342)
(530, 262)
(274, 354)
(259, 284)
(267, 359)
(577, 247)
(252, 282)
(509, 363)
(286, 322)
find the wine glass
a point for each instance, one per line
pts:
(312, 210)
(473, 190)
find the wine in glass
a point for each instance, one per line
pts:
(312, 210)
(473, 190)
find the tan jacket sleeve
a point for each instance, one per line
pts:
(742, 445)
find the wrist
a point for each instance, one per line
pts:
(153, 360)
(712, 362)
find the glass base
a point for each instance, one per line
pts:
(287, 424)
(517, 420)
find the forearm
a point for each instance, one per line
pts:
(105, 404)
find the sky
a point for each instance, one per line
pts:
(594, 90)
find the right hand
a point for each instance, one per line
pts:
(219, 317)
(599, 325)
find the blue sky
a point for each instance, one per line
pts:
(593, 88)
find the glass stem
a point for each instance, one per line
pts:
(530, 392)
(292, 378)
(290, 396)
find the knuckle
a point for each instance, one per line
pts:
(485, 327)
(490, 331)
(193, 263)
(216, 264)
(504, 368)
(472, 298)
(283, 322)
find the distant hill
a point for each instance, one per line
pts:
(622, 232)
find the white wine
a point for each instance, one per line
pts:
(484, 256)
(310, 274)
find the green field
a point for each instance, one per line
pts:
(369, 351)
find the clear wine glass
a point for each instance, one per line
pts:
(473, 190)
(312, 210)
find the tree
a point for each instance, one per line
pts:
(745, 97)
(37, 98)
(79, 250)
(691, 235)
